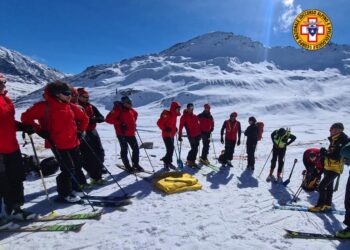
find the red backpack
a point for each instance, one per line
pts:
(260, 126)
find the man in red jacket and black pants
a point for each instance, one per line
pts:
(233, 128)
(206, 123)
(191, 123)
(93, 166)
(167, 123)
(62, 124)
(11, 165)
(124, 117)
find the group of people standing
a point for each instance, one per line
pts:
(67, 121)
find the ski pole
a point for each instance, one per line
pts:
(241, 157)
(137, 132)
(297, 193)
(265, 163)
(101, 164)
(212, 141)
(59, 158)
(285, 183)
(41, 174)
(180, 164)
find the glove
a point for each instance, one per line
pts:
(238, 142)
(222, 140)
(25, 128)
(167, 129)
(92, 120)
(123, 127)
(99, 119)
(43, 134)
(80, 134)
(180, 138)
(323, 152)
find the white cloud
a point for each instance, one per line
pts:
(285, 20)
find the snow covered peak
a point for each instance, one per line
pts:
(23, 74)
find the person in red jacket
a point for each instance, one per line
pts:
(314, 165)
(191, 123)
(124, 117)
(167, 123)
(11, 168)
(92, 137)
(62, 124)
(206, 123)
(233, 128)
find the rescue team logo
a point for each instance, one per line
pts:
(312, 29)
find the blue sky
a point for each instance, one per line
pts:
(71, 35)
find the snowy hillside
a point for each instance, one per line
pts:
(23, 74)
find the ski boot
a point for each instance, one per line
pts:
(191, 164)
(229, 164)
(270, 178)
(128, 168)
(343, 234)
(315, 209)
(19, 214)
(71, 198)
(204, 161)
(137, 168)
(326, 208)
(97, 182)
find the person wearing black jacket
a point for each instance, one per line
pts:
(206, 123)
(252, 139)
(281, 138)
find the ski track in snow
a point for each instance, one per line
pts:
(232, 211)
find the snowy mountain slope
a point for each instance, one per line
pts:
(23, 74)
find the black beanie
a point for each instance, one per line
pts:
(338, 125)
(252, 118)
(57, 87)
(189, 105)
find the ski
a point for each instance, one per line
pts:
(138, 174)
(108, 198)
(15, 228)
(82, 216)
(98, 203)
(306, 209)
(303, 235)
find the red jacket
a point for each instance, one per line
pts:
(318, 163)
(8, 141)
(206, 122)
(168, 120)
(123, 119)
(61, 120)
(191, 123)
(91, 111)
(232, 128)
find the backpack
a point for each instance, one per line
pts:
(49, 166)
(260, 126)
(29, 163)
(345, 153)
(310, 181)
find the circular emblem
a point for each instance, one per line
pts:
(312, 29)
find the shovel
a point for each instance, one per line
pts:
(286, 182)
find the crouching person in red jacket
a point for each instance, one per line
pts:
(167, 123)
(62, 124)
(191, 123)
(11, 167)
(124, 117)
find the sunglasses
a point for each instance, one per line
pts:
(3, 81)
(66, 93)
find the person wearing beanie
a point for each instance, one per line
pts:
(93, 166)
(124, 118)
(62, 124)
(232, 129)
(252, 139)
(281, 138)
(206, 123)
(191, 123)
(167, 123)
(333, 167)
(11, 169)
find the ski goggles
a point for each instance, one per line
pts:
(67, 93)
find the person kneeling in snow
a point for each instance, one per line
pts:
(314, 165)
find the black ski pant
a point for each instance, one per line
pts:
(90, 163)
(229, 149)
(124, 141)
(278, 153)
(347, 204)
(206, 145)
(251, 154)
(71, 176)
(11, 179)
(325, 188)
(94, 140)
(169, 145)
(194, 143)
